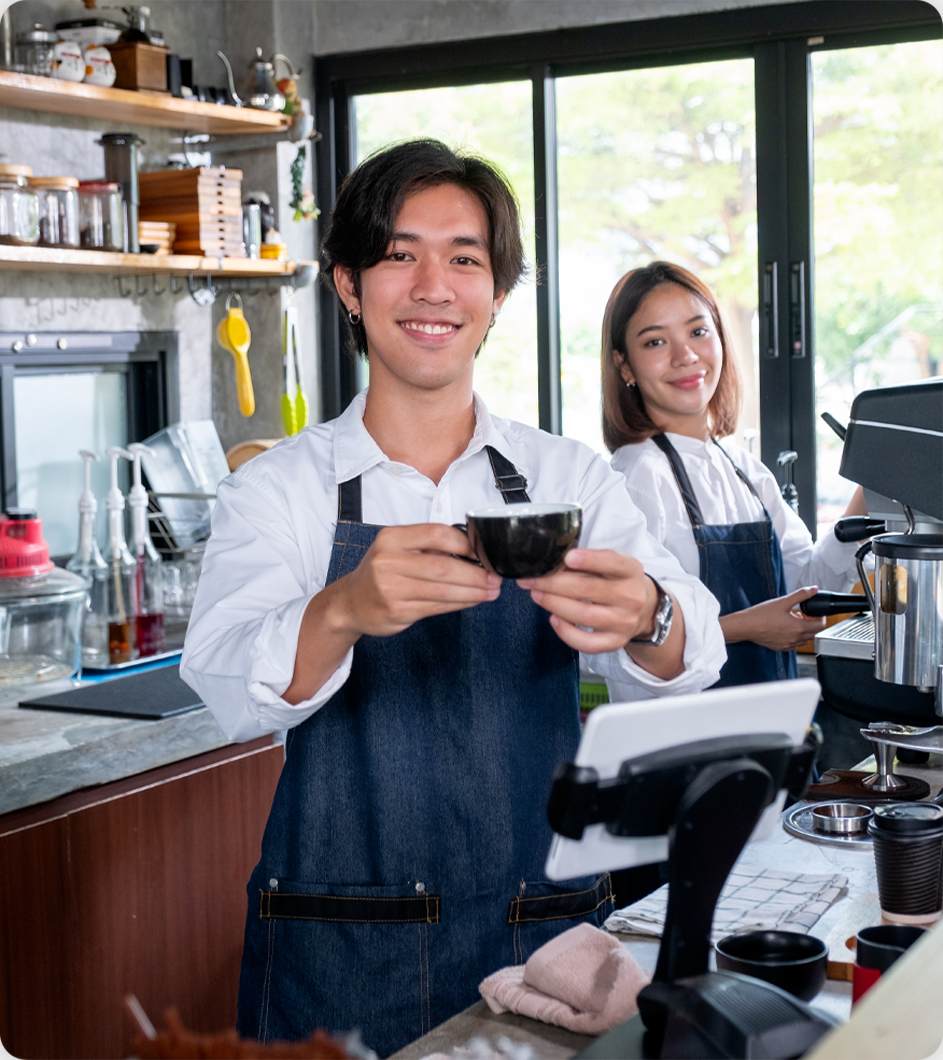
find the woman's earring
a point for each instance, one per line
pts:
(353, 317)
(491, 325)
(630, 385)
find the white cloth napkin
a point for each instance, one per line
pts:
(752, 899)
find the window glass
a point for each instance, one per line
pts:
(495, 121)
(655, 164)
(56, 415)
(878, 157)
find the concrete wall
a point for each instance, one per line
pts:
(354, 25)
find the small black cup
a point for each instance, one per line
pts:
(524, 540)
(908, 857)
(795, 963)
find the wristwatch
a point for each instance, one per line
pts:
(663, 613)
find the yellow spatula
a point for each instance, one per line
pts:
(234, 335)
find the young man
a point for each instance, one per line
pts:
(427, 702)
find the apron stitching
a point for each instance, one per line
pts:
(267, 989)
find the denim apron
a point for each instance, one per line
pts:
(402, 861)
(742, 565)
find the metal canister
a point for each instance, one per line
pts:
(908, 608)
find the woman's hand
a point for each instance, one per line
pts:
(599, 600)
(774, 624)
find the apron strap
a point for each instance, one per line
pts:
(510, 482)
(681, 477)
(513, 487)
(743, 478)
(349, 501)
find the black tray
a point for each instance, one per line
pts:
(152, 695)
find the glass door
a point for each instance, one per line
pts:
(878, 232)
(655, 164)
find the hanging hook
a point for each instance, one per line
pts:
(204, 296)
(157, 290)
(137, 287)
(173, 283)
(121, 290)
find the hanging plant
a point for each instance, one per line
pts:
(302, 200)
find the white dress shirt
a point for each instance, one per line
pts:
(273, 530)
(724, 498)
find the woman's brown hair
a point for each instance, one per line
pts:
(624, 418)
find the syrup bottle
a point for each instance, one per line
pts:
(122, 625)
(88, 564)
(148, 573)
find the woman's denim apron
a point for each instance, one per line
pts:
(742, 565)
(403, 858)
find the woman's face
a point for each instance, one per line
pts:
(674, 357)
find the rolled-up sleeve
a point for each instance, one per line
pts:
(256, 582)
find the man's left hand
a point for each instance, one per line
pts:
(598, 601)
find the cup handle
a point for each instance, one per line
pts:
(468, 559)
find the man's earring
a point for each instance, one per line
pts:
(630, 385)
(353, 317)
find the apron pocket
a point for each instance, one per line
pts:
(350, 909)
(548, 901)
(310, 947)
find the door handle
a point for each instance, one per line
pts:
(770, 334)
(797, 309)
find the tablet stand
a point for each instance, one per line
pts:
(708, 797)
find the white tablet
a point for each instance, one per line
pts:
(619, 731)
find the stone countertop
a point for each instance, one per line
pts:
(48, 753)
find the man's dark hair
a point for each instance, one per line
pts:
(369, 201)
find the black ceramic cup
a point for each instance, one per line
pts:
(908, 857)
(524, 540)
(796, 963)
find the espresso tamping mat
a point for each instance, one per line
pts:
(150, 695)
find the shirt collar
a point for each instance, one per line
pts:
(355, 451)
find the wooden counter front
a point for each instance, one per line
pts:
(133, 887)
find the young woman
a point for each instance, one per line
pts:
(671, 390)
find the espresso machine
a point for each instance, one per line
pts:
(884, 666)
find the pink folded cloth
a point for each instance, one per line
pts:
(584, 980)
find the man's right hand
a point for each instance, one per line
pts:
(408, 573)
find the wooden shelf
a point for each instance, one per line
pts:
(46, 259)
(134, 108)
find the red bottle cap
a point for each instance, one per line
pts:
(23, 552)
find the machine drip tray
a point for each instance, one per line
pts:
(847, 784)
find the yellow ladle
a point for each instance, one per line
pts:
(233, 334)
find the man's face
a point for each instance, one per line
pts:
(428, 303)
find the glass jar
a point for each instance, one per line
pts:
(35, 50)
(41, 606)
(101, 216)
(58, 210)
(19, 207)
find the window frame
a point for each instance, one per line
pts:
(779, 38)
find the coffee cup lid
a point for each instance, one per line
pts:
(908, 818)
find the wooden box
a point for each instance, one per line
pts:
(139, 65)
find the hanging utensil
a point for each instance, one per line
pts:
(294, 400)
(234, 335)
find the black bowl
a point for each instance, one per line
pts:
(796, 963)
(524, 540)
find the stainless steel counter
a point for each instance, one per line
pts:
(45, 753)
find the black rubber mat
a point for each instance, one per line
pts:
(151, 695)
